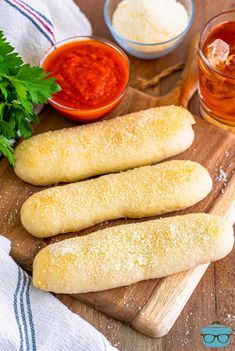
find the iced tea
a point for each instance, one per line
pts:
(217, 70)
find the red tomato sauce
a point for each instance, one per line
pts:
(90, 73)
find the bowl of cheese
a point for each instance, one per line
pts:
(148, 29)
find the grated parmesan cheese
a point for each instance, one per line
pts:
(150, 21)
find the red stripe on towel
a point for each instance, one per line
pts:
(38, 19)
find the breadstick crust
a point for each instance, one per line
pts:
(114, 145)
(126, 254)
(142, 192)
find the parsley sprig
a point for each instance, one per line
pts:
(21, 86)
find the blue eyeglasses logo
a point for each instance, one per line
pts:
(216, 335)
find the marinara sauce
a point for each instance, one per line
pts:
(93, 75)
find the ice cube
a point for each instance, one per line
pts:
(217, 53)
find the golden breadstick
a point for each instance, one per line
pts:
(126, 254)
(141, 192)
(113, 145)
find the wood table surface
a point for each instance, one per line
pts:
(214, 298)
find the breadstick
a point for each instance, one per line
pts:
(141, 192)
(129, 253)
(121, 143)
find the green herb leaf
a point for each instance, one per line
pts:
(39, 86)
(9, 60)
(7, 130)
(3, 87)
(7, 149)
(21, 86)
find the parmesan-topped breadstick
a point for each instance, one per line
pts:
(126, 254)
(121, 143)
(141, 192)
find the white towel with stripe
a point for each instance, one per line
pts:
(34, 320)
(33, 26)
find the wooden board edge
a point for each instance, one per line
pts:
(161, 311)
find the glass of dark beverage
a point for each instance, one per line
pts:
(217, 70)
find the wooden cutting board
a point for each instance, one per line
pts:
(150, 307)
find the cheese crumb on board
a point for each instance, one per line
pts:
(150, 21)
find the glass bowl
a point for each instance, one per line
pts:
(88, 114)
(143, 50)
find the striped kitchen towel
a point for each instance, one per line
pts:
(33, 320)
(32, 26)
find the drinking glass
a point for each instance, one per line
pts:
(217, 88)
